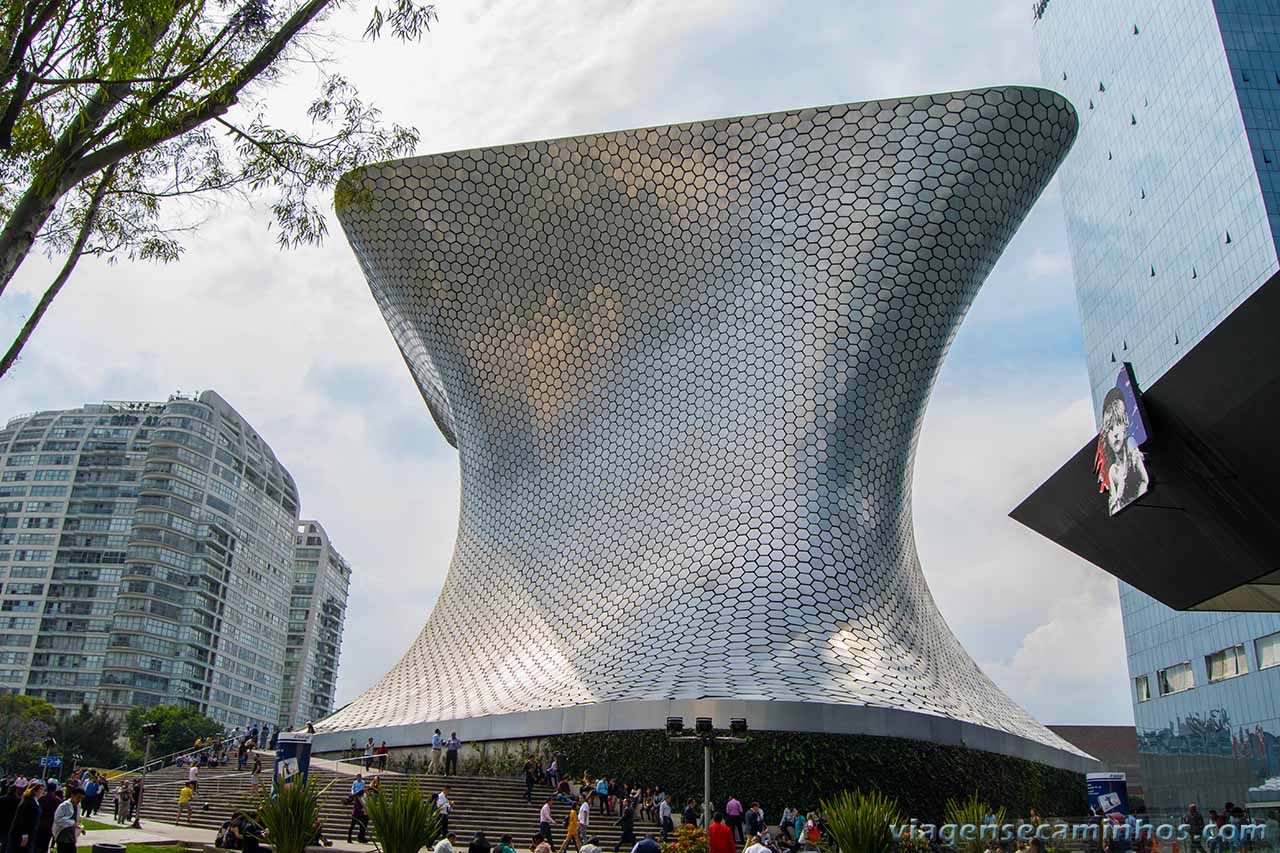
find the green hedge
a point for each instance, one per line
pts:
(776, 767)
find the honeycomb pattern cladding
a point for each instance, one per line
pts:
(685, 368)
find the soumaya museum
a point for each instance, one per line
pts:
(719, 336)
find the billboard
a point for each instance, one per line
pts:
(293, 758)
(1118, 460)
(1108, 795)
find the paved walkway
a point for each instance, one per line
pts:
(154, 832)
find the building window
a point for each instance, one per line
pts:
(1268, 649)
(1143, 688)
(1227, 663)
(1176, 678)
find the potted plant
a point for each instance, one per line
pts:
(403, 821)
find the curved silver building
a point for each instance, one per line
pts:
(685, 368)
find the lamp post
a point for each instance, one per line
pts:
(704, 733)
(150, 730)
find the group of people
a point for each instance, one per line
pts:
(38, 814)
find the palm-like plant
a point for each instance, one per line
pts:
(862, 822)
(290, 817)
(973, 812)
(403, 820)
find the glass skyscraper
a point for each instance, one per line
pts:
(1173, 215)
(317, 610)
(147, 555)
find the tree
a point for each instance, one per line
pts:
(91, 735)
(179, 728)
(109, 109)
(25, 725)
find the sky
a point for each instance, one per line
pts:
(294, 341)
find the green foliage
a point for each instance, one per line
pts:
(688, 839)
(109, 111)
(91, 735)
(970, 811)
(781, 768)
(179, 728)
(403, 820)
(25, 724)
(290, 817)
(860, 822)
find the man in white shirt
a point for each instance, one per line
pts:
(544, 822)
(66, 822)
(664, 818)
(444, 808)
(584, 816)
(193, 776)
(445, 845)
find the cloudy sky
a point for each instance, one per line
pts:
(294, 341)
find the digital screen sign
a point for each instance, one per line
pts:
(1119, 462)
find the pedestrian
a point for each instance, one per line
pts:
(357, 786)
(627, 821)
(1195, 826)
(66, 821)
(648, 844)
(368, 753)
(359, 819)
(451, 755)
(256, 785)
(479, 844)
(553, 772)
(444, 808)
(664, 817)
(733, 814)
(602, 794)
(584, 816)
(26, 821)
(186, 796)
(755, 820)
(530, 777)
(690, 815)
(436, 741)
(544, 823)
(571, 830)
(193, 777)
(445, 845)
(48, 805)
(8, 807)
(720, 836)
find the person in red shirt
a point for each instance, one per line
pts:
(720, 836)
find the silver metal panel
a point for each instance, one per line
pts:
(685, 368)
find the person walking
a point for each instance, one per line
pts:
(584, 816)
(66, 821)
(720, 836)
(48, 805)
(26, 821)
(444, 808)
(755, 820)
(1195, 826)
(544, 822)
(436, 742)
(8, 807)
(733, 814)
(690, 814)
(359, 819)
(530, 777)
(571, 830)
(602, 794)
(664, 818)
(627, 821)
(186, 796)
(451, 755)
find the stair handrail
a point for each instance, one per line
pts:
(160, 761)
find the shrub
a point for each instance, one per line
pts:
(402, 819)
(688, 839)
(860, 823)
(290, 817)
(971, 811)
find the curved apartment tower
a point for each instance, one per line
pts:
(684, 368)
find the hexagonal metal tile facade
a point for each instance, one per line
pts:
(685, 368)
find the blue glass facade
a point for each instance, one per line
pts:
(1173, 212)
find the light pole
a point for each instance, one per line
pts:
(704, 733)
(149, 730)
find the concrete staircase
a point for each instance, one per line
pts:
(493, 804)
